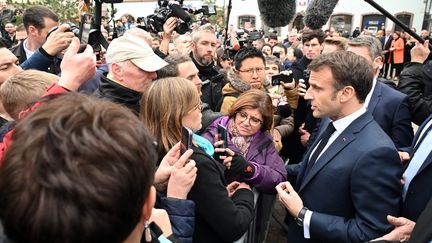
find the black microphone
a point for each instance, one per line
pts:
(318, 13)
(179, 12)
(277, 13)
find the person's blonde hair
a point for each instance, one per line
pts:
(340, 42)
(24, 89)
(163, 105)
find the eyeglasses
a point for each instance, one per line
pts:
(197, 107)
(243, 116)
(259, 70)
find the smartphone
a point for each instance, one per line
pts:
(186, 140)
(85, 27)
(222, 131)
(277, 79)
(223, 135)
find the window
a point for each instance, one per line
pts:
(405, 18)
(373, 22)
(298, 22)
(246, 22)
(341, 23)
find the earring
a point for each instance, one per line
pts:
(147, 233)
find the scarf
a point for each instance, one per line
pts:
(241, 142)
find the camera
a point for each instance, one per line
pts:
(154, 22)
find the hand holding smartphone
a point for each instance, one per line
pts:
(222, 131)
(277, 79)
(186, 140)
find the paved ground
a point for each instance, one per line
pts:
(276, 234)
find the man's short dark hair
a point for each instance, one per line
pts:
(273, 37)
(35, 16)
(173, 60)
(245, 53)
(83, 176)
(281, 46)
(309, 35)
(348, 69)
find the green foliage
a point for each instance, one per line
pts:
(217, 20)
(67, 10)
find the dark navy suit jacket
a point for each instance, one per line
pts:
(390, 110)
(420, 189)
(352, 187)
(386, 47)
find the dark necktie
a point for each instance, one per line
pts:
(324, 140)
(426, 130)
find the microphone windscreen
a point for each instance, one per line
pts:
(277, 13)
(318, 13)
(181, 13)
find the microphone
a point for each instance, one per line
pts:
(179, 12)
(277, 13)
(318, 13)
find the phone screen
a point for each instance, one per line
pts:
(276, 79)
(85, 27)
(186, 140)
(223, 135)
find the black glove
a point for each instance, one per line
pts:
(239, 166)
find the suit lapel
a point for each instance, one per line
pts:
(345, 138)
(426, 163)
(340, 143)
(428, 159)
(419, 130)
(376, 97)
(323, 124)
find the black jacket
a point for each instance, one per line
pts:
(213, 82)
(416, 82)
(218, 218)
(119, 94)
(19, 52)
(303, 114)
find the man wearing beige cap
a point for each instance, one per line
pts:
(132, 66)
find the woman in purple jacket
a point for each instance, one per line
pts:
(251, 154)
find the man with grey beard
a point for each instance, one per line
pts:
(204, 44)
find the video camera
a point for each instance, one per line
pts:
(154, 22)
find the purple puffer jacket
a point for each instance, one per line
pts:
(269, 167)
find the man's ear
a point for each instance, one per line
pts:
(347, 93)
(116, 70)
(148, 205)
(31, 30)
(377, 63)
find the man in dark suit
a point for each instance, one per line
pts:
(350, 177)
(389, 107)
(386, 42)
(417, 192)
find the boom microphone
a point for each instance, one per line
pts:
(181, 13)
(277, 13)
(318, 13)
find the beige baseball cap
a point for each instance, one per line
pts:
(137, 51)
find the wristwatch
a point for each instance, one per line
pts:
(300, 218)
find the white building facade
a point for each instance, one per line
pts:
(347, 15)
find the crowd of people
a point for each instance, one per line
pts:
(90, 145)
